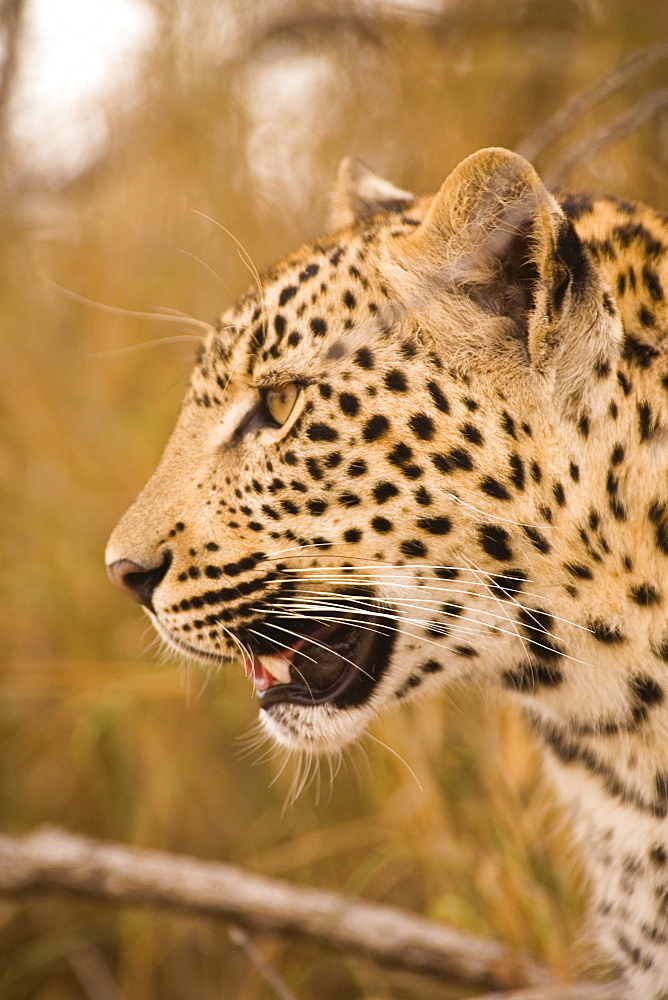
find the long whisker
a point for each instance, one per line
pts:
(402, 760)
(133, 313)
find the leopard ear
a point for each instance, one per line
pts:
(360, 193)
(494, 233)
(493, 230)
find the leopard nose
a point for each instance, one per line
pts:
(137, 581)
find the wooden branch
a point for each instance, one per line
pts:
(53, 860)
(567, 117)
(606, 135)
(575, 991)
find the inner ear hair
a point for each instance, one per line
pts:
(360, 194)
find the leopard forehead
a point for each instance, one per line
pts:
(314, 308)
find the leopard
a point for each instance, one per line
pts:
(431, 448)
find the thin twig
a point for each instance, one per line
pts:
(567, 117)
(239, 937)
(53, 860)
(606, 135)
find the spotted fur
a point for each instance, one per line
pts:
(473, 478)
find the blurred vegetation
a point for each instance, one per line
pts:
(243, 114)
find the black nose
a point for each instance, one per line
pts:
(137, 581)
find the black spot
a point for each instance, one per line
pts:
(645, 595)
(493, 488)
(467, 651)
(545, 512)
(381, 524)
(536, 472)
(439, 399)
(617, 508)
(349, 300)
(495, 541)
(528, 677)
(435, 525)
(579, 571)
(537, 625)
(460, 459)
(574, 472)
(646, 690)
(423, 497)
(431, 667)
(637, 352)
(313, 469)
(318, 326)
(583, 425)
(352, 535)
(536, 538)
(617, 455)
(384, 491)
(279, 325)
(364, 358)
(287, 293)
(646, 316)
(603, 632)
(471, 433)
(658, 855)
(507, 584)
(294, 338)
(644, 420)
(413, 547)
(325, 390)
(652, 283)
(289, 507)
(356, 468)
(333, 459)
(375, 427)
(349, 500)
(349, 403)
(422, 426)
(446, 573)
(452, 609)
(624, 383)
(395, 381)
(508, 424)
(517, 475)
(316, 506)
(400, 454)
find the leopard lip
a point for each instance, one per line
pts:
(336, 663)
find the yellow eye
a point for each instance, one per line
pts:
(280, 401)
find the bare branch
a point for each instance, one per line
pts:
(54, 860)
(606, 135)
(564, 120)
(575, 991)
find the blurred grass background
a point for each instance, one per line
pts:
(242, 114)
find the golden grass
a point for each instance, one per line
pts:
(93, 734)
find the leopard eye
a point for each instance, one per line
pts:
(280, 401)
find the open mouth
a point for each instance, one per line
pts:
(335, 663)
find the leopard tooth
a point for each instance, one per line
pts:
(277, 666)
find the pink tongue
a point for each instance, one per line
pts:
(261, 678)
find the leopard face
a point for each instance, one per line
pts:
(379, 479)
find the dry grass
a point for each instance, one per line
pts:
(93, 734)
